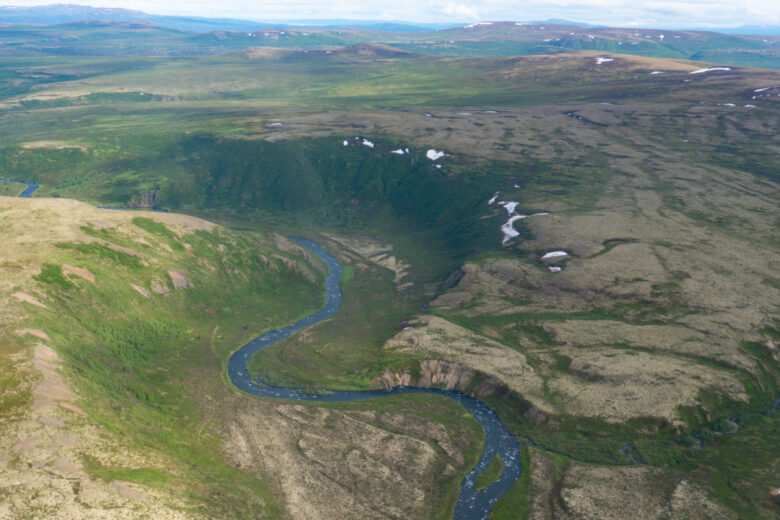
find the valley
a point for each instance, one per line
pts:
(619, 332)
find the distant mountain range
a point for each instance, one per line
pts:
(67, 13)
(79, 30)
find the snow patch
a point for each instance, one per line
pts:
(471, 26)
(762, 89)
(554, 269)
(433, 155)
(400, 151)
(599, 61)
(494, 198)
(554, 254)
(658, 72)
(508, 229)
(750, 106)
(368, 143)
(276, 124)
(700, 71)
(509, 206)
(346, 143)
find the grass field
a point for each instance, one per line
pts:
(10, 189)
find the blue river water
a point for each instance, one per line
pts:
(27, 193)
(472, 504)
(128, 208)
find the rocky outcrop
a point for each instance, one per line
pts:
(295, 266)
(436, 373)
(179, 279)
(148, 199)
(446, 375)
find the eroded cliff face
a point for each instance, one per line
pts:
(148, 199)
(446, 375)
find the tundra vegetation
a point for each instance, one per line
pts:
(641, 375)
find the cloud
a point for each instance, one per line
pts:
(460, 11)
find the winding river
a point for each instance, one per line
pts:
(472, 504)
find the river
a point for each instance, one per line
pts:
(472, 504)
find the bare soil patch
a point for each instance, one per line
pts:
(27, 299)
(179, 279)
(78, 271)
(143, 292)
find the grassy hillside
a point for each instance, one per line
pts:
(142, 311)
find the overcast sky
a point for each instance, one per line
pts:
(626, 13)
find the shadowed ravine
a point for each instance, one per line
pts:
(472, 504)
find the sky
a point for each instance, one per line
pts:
(623, 13)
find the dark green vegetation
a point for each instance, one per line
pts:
(741, 471)
(515, 504)
(197, 133)
(492, 472)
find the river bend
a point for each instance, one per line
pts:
(472, 504)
